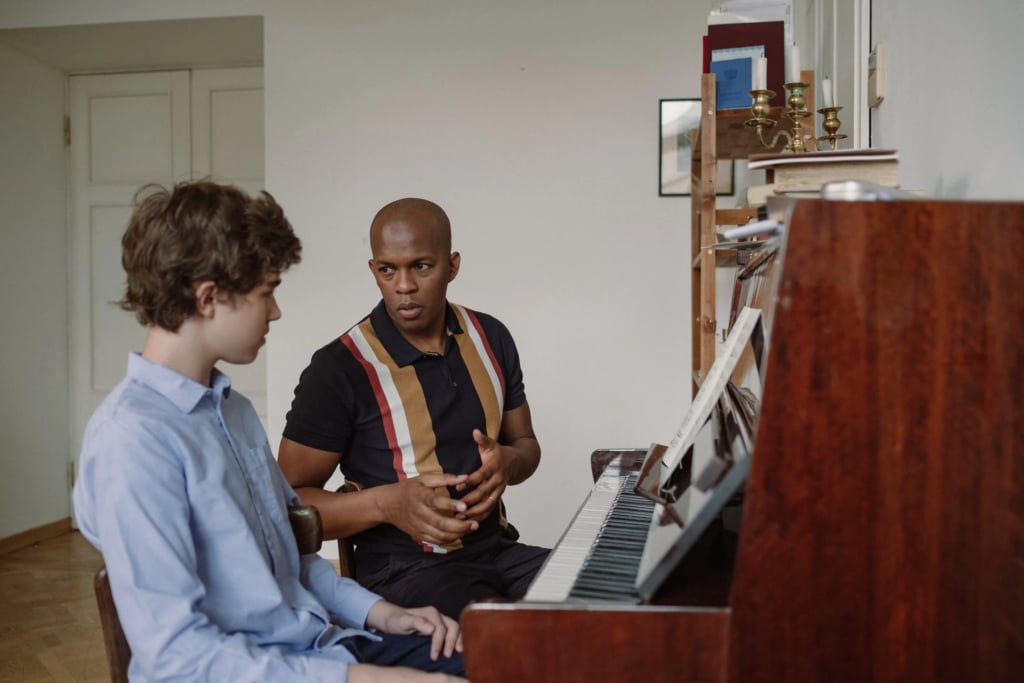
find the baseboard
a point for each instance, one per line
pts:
(40, 533)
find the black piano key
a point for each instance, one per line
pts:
(609, 572)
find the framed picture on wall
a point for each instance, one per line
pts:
(677, 118)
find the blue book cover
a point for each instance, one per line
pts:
(734, 80)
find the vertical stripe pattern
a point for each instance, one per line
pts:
(488, 380)
(403, 409)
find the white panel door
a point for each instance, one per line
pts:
(227, 146)
(128, 130)
(227, 126)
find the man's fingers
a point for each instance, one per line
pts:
(447, 530)
(479, 512)
(477, 477)
(434, 481)
(453, 505)
(486, 493)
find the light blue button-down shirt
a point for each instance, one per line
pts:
(179, 490)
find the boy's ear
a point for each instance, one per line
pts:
(206, 297)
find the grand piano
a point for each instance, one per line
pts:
(881, 533)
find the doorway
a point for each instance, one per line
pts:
(125, 131)
(38, 447)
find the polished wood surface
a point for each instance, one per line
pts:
(883, 531)
(883, 526)
(119, 654)
(307, 527)
(567, 644)
(346, 563)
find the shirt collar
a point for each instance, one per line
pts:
(400, 350)
(182, 391)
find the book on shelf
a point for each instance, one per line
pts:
(757, 195)
(733, 79)
(760, 195)
(807, 172)
(773, 205)
(776, 159)
(766, 37)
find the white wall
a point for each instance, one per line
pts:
(534, 124)
(954, 95)
(33, 297)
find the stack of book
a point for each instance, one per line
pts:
(802, 175)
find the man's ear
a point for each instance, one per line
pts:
(206, 297)
(454, 259)
(370, 263)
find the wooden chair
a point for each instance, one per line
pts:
(309, 534)
(346, 549)
(118, 652)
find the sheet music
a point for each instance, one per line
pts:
(717, 450)
(712, 386)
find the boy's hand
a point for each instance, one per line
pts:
(444, 632)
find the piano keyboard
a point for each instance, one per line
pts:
(599, 554)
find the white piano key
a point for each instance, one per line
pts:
(558, 574)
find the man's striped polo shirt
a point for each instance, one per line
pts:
(395, 412)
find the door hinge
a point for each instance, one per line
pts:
(71, 472)
(67, 131)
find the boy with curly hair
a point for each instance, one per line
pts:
(179, 489)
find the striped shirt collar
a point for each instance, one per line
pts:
(398, 347)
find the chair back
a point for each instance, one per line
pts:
(309, 535)
(118, 652)
(346, 549)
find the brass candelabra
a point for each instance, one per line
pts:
(796, 141)
(761, 108)
(831, 125)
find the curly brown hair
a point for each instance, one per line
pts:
(195, 232)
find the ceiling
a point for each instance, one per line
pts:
(143, 45)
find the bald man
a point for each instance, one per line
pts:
(422, 406)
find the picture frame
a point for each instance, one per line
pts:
(677, 117)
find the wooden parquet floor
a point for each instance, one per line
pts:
(49, 627)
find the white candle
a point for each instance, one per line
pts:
(761, 74)
(826, 93)
(794, 64)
